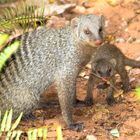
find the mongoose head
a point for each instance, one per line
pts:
(104, 68)
(89, 29)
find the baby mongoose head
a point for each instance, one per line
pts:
(89, 29)
(104, 68)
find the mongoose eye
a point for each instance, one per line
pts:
(99, 72)
(109, 70)
(87, 32)
(100, 29)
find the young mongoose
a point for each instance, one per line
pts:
(48, 56)
(107, 61)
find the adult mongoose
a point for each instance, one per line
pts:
(107, 61)
(47, 56)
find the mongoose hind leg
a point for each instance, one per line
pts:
(125, 79)
(27, 102)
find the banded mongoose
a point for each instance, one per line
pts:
(47, 56)
(107, 61)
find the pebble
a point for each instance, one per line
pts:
(88, 66)
(120, 40)
(131, 39)
(138, 41)
(91, 137)
(86, 77)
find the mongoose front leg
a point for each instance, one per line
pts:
(66, 90)
(124, 78)
(89, 98)
(110, 97)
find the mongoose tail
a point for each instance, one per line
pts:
(132, 63)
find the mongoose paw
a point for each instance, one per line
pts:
(88, 102)
(103, 85)
(28, 116)
(78, 103)
(48, 104)
(76, 127)
(110, 100)
(126, 89)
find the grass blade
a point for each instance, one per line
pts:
(18, 135)
(34, 134)
(9, 120)
(3, 38)
(3, 124)
(17, 121)
(29, 133)
(39, 131)
(45, 132)
(8, 135)
(59, 133)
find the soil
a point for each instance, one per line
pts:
(123, 22)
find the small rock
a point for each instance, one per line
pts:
(82, 74)
(138, 41)
(138, 59)
(79, 9)
(84, 130)
(86, 77)
(106, 23)
(91, 10)
(131, 39)
(88, 66)
(126, 30)
(124, 23)
(91, 137)
(120, 40)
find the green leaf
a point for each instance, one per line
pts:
(18, 135)
(8, 135)
(45, 132)
(17, 121)
(8, 51)
(115, 132)
(3, 124)
(29, 133)
(34, 134)
(9, 120)
(138, 93)
(14, 133)
(59, 133)
(3, 38)
(21, 16)
(39, 131)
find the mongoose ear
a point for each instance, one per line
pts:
(74, 22)
(113, 62)
(102, 20)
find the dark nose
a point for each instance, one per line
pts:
(98, 42)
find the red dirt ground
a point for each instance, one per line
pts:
(100, 118)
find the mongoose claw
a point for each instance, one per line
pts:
(88, 102)
(76, 127)
(110, 100)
